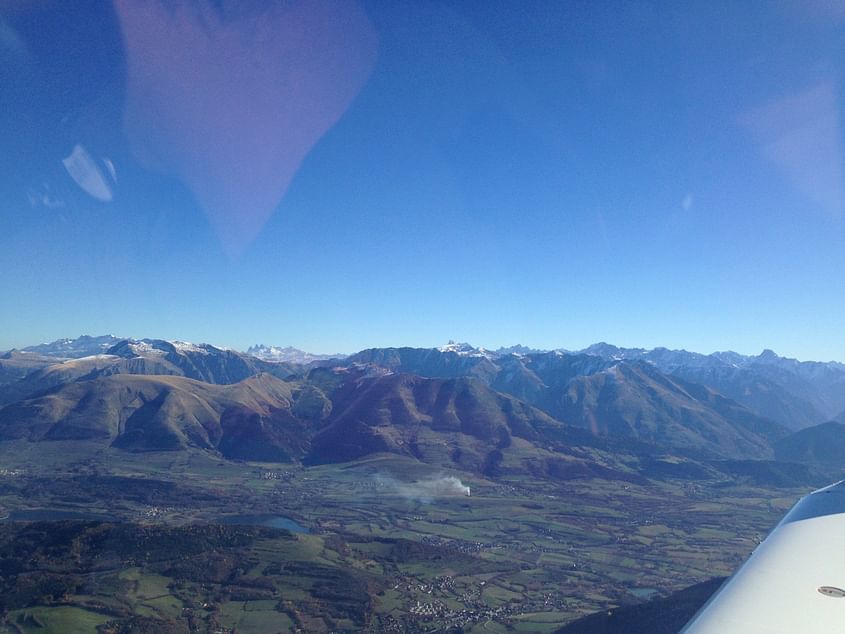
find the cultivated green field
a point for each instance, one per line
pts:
(516, 555)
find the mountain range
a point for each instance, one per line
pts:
(602, 410)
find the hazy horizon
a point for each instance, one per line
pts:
(440, 344)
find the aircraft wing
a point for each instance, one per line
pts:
(794, 581)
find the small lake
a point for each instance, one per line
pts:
(643, 593)
(272, 521)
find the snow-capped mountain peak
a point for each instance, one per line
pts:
(466, 350)
(82, 346)
(287, 354)
(187, 346)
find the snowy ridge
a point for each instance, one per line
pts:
(466, 350)
(82, 346)
(186, 346)
(144, 348)
(288, 354)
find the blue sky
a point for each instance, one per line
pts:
(344, 175)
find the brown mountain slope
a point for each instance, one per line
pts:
(636, 400)
(202, 362)
(818, 445)
(441, 421)
(15, 364)
(250, 419)
(60, 372)
(626, 398)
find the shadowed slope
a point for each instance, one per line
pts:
(456, 422)
(665, 615)
(141, 413)
(202, 362)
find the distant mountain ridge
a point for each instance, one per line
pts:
(202, 362)
(288, 354)
(458, 423)
(795, 393)
(82, 346)
(458, 399)
(630, 399)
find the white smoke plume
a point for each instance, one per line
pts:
(422, 490)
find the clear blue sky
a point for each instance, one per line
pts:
(345, 175)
